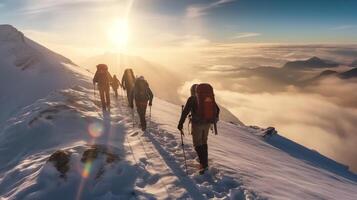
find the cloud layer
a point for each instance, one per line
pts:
(320, 115)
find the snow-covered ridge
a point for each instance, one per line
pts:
(25, 51)
(30, 71)
(9, 33)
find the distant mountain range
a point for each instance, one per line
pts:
(344, 75)
(300, 73)
(317, 63)
(312, 63)
(349, 74)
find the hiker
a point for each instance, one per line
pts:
(142, 94)
(128, 82)
(115, 85)
(103, 78)
(204, 112)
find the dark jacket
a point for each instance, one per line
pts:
(103, 78)
(142, 96)
(191, 107)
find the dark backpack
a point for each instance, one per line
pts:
(102, 75)
(141, 90)
(206, 104)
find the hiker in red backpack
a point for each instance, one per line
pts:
(128, 82)
(103, 78)
(142, 95)
(115, 85)
(204, 112)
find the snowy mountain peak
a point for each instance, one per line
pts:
(9, 33)
(29, 66)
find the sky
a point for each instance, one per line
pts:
(79, 28)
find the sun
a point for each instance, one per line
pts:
(119, 33)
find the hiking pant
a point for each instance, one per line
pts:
(200, 136)
(141, 109)
(104, 97)
(129, 96)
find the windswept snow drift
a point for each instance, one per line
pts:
(62, 113)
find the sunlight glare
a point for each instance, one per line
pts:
(119, 33)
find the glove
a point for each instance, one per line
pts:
(180, 127)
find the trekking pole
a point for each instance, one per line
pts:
(94, 90)
(183, 148)
(133, 115)
(150, 116)
(215, 128)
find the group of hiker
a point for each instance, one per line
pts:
(137, 89)
(201, 107)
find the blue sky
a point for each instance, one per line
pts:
(274, 20)
(271, 20)
(79, 23)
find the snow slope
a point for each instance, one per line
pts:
(244, 165)
(30, 71)
(131, 164)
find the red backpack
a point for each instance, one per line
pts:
(206, 104)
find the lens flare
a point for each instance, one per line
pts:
(95, 129)
(86, 170)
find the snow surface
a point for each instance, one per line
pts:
(30, 71)
(243, 164)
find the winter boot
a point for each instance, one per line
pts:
(199, 154)
(205, 156)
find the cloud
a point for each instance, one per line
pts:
(246, 35)
(35, 7)
(194, 11)
(311, 119)
(344, 27)
(321, 116)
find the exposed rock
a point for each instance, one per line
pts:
(93, 152)
(60, 160)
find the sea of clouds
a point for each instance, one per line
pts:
(321, 115)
